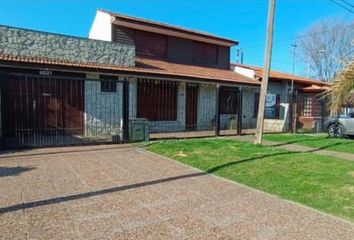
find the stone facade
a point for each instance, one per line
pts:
(103, 111)
(21, 42)
(248, 104)
(206, 106)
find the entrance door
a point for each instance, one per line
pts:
(191, 106)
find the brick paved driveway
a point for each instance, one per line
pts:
(121, 192)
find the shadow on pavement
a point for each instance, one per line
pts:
(13, 171)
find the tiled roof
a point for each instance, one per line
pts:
(164, 25)
(193, 71)
(275, 75)
(144, 65)
(315, 88)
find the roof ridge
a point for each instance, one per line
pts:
(178, 27)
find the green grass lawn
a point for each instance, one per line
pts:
(314, 140)
(324, 183)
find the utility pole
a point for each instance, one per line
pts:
(240, 55)
(291, 100)
(266, 69)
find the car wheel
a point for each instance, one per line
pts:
(335, 131)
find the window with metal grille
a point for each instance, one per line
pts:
(108, 84)
(157, 100)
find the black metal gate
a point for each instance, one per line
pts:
(50, 111)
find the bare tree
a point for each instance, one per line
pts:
(327, 45)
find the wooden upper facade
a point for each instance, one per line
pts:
(170, 43)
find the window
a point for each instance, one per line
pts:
(205, 53)
(307, 106)
(150, 44)
(108, 86)
(157, 100)
(310, 106)
(108, 83)
(228, 100)
(270, 112)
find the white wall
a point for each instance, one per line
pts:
(244, 71)
(101, 28)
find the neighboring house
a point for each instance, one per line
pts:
(308, 105)
(59, 89)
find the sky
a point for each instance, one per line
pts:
(241, 20)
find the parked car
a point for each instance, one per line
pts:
(339, 126)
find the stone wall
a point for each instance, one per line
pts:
(273, 125)
(132, 97)
(206, 106)
(248, 104)
(23, 42)
(103, 111)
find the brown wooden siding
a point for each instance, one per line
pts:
(174, 49)
(204, 53)
(150, 44)
(123, 35)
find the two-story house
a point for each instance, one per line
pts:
(200, 59)
(59, 89)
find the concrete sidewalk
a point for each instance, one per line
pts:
(124, 192)
(299, 148)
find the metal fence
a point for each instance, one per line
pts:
(49, 110)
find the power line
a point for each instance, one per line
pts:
(298, 37)
(342, 6)
(348, 3)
